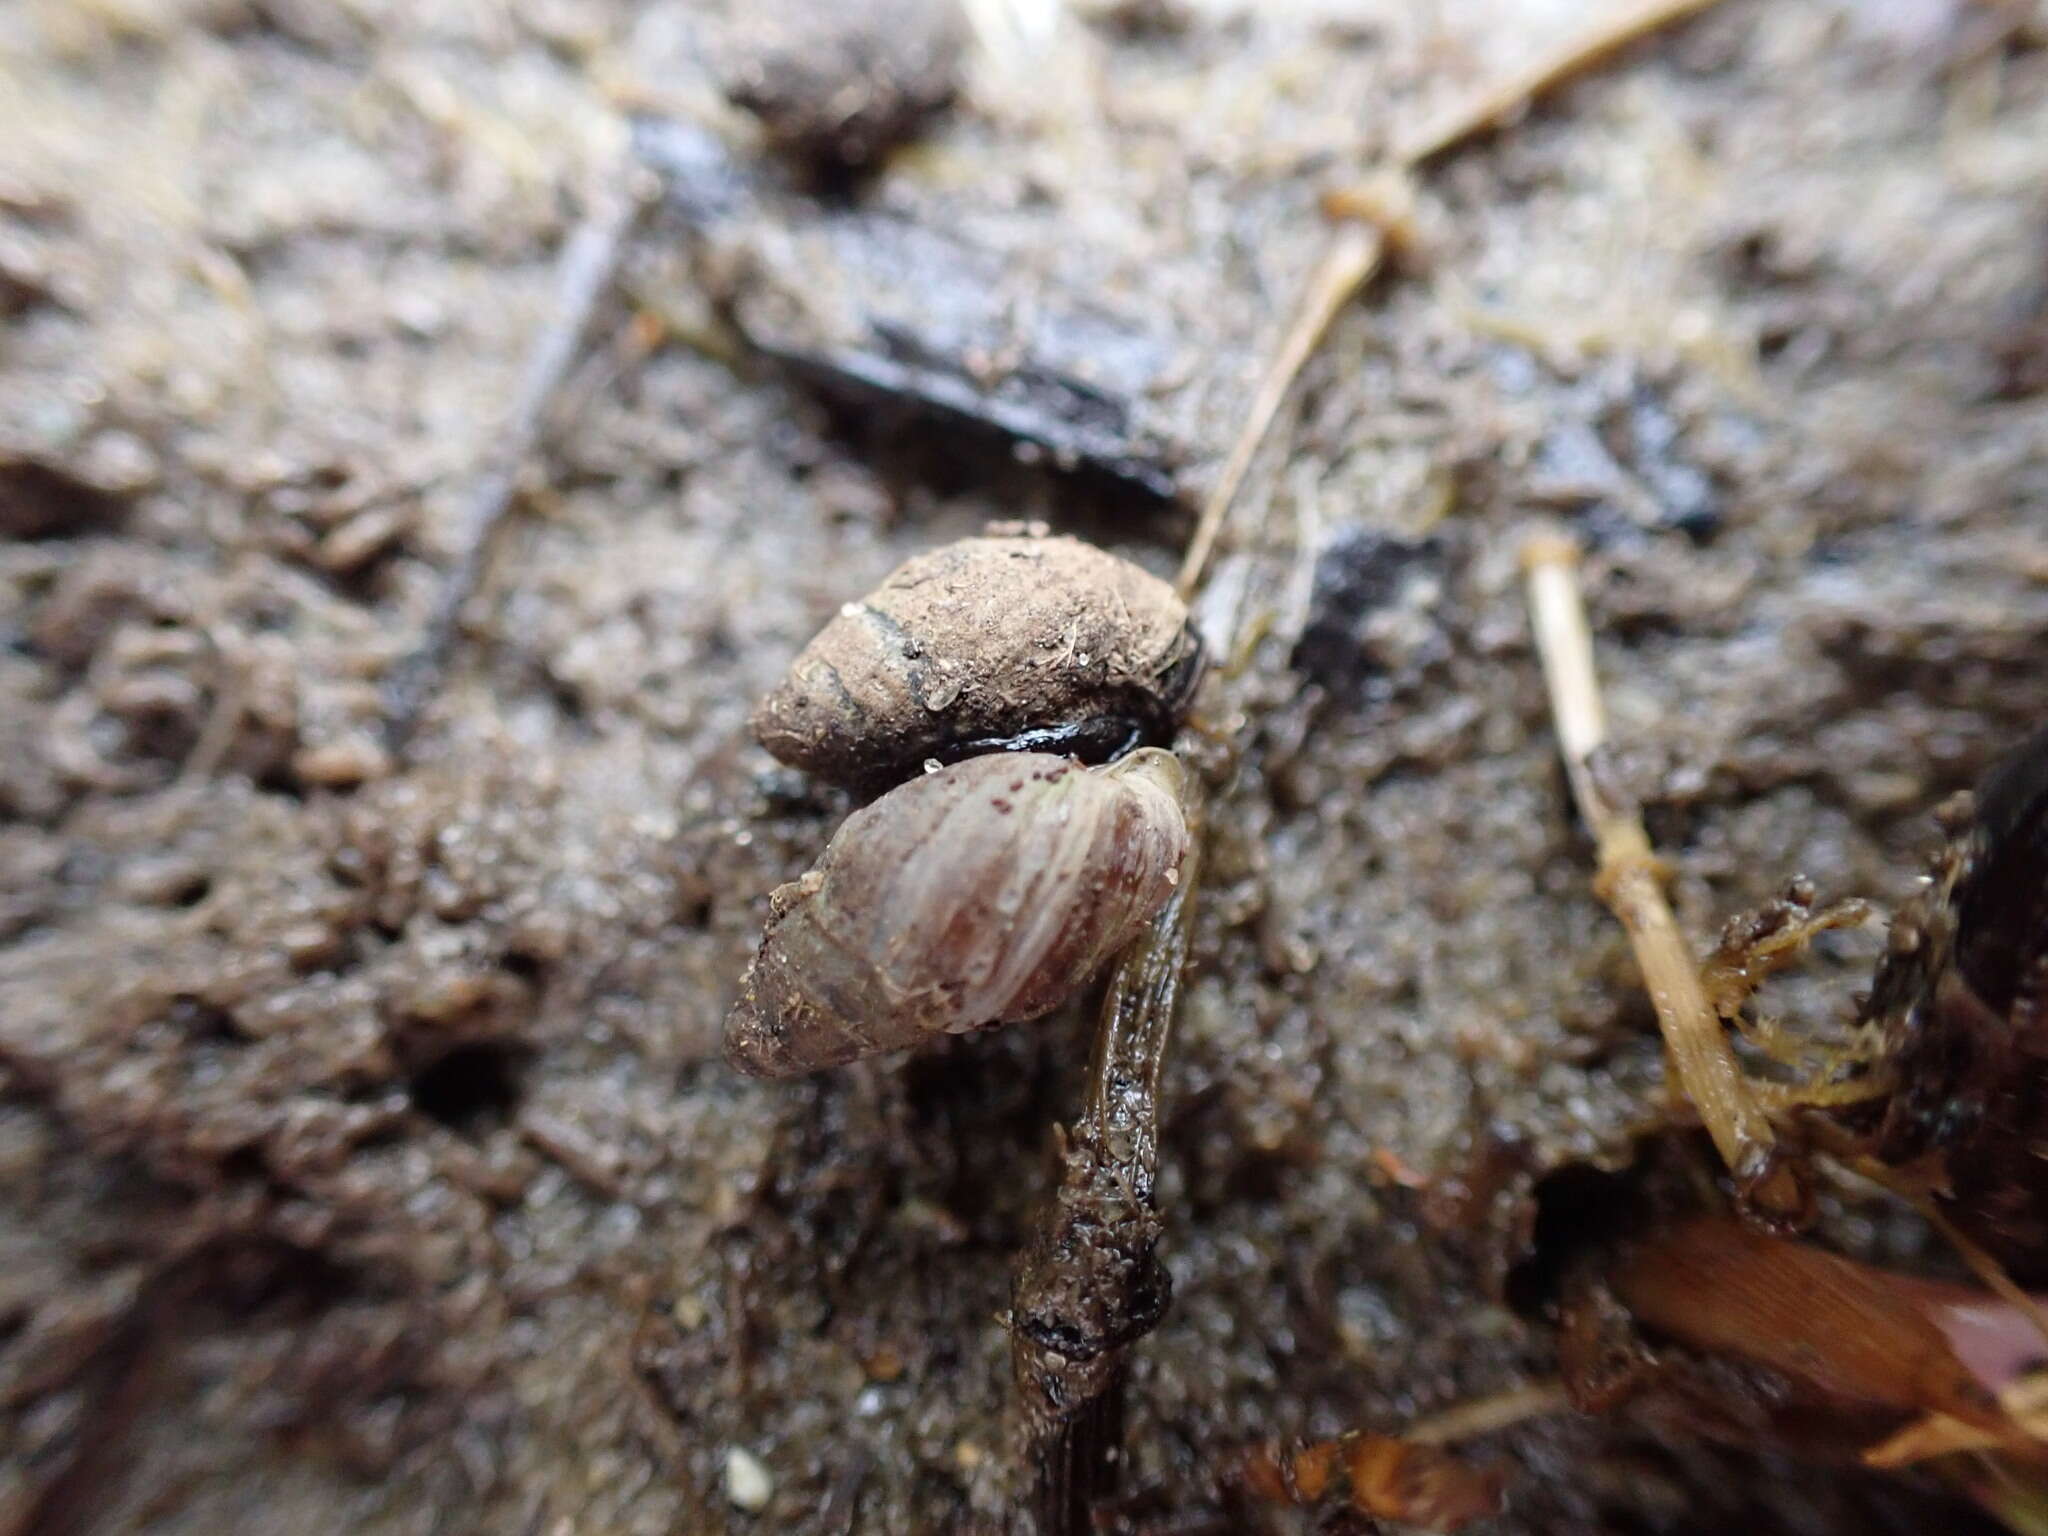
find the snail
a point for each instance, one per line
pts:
(984, 893)
(1961, 997)
(1033, 643)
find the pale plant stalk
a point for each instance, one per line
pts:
(1628, 878)
(1501, 99)
(1352, 257)
(1071, 1404)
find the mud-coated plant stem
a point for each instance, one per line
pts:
(1088, 1285)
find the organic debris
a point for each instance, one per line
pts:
(438, 1033)
(1844, 1330)
(837, 87)
(1390, 1477)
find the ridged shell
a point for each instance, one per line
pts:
(987, 644)
(984, 893)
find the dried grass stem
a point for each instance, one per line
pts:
(1628, 879)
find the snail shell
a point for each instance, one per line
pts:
(985, 893)
(987, 644)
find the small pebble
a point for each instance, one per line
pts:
(747, 1482)
(359, 540)
(342, 763)
(121, 464)
(884, 1364)
(161, 880)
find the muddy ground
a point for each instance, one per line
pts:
(366, 1156)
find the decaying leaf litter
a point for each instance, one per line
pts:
(433, 1033)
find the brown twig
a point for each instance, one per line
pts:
(583, 276)
(1628, 880)
(1088, 1285)
(1356, 248)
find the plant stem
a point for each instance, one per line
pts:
(1628, 878)
(1088, 1285)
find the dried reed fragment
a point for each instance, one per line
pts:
(1852, 1332)
(1628, 879)
(1489, 1415)
(1940, 1434)
(1502, 99)
(1352, 257)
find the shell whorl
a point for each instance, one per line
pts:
(984, 893)
(997, 643)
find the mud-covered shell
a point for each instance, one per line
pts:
(987, 644)
(984, 893)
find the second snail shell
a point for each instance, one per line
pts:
(984, 893)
